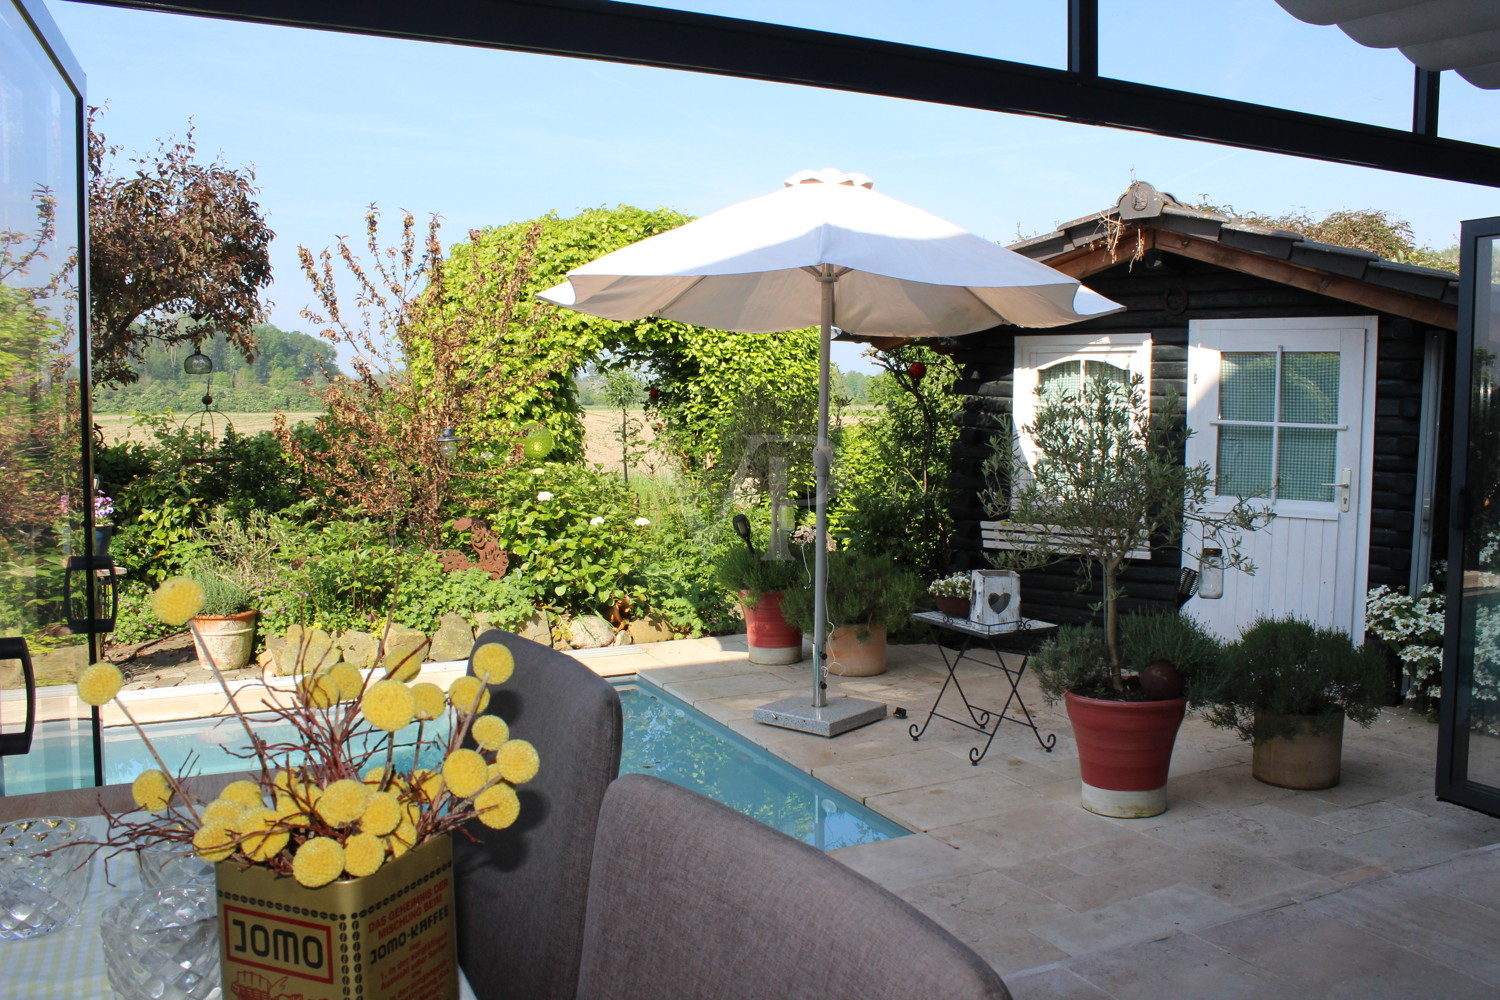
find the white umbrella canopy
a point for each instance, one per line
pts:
(826, 250)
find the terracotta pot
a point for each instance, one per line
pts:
(1306, 760)
(850, 656)
(1125, 752)
(227, 638)
(771, 639)
(953, 607)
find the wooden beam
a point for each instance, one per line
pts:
(1097, 256)
(1386, 300)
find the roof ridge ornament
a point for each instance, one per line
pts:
(829, 175)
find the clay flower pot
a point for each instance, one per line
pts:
(1309, 759)
(771, 639)
(851, 656)
(1124, 753)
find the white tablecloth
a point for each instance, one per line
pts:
(69, 964)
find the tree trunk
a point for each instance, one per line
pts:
(1112, 624)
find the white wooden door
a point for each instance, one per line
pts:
(1282, 409)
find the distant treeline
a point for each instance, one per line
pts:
(853, 386)
(288, 367)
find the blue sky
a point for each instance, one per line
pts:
(332, 122)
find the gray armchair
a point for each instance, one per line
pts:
(688, 899)
(520, 893)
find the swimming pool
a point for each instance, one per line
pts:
(662, 736)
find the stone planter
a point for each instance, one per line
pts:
(386, 936)
(771, 639)
(851, 656)
(224, 641)
(1124, 753)
(1307, 760)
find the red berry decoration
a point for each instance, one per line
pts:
(654, 392)
(916, 371)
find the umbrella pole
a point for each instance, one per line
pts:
(822, 465)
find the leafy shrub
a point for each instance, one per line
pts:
(427, 592)
(221, 596)
(739, 570)
(1071, 661)
(1179, 639)
(863, 590)
(676, 576)
(135, 621)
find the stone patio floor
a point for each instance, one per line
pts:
(1370, 889)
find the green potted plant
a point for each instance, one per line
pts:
(761, 582)
(868, 595)
(224, 628)
(1286, 687)
(953, 594)
(1109, 486)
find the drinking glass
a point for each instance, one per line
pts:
(44, 875)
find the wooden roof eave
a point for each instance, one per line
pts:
(1094, 258)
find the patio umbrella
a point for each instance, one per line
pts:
(826, 250)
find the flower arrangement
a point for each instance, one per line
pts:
(956, 585)
(104, 507)
(332, 804)
(1413, 628)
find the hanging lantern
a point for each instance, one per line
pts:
(917, 371)
(1211, 574)
(198, 363)
(448, 443)
(538, 443)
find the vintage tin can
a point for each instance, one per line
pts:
(387, 936)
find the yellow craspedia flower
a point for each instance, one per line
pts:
(382, 814)
(493, 663)
(402, 839)
(428, 785)
(430, 700)
(290, 811)
(364, 853)
(388, 705)
(177, 600)
(518, 761)
(408, 666)
(318, 691)
(318, 862)
(374, 776)
(490, 732)
(283, 780)
(264, 837)
(100, 682)
(246, 793)
(213, 841)
(151, 790)
(221, 810)
(498, 806)
(344, 801)
(463, 692)
(348, 680)
(465, 772)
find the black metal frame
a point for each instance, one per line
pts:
(652, 36)
(998, 640)
(1453, 783)
(19, 744)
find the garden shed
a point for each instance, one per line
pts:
(1227, 316)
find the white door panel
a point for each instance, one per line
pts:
(1280, 409)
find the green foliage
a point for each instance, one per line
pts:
(675, 577)
(162, 541)
(1289, 667)
(572, 529)
(135, 620)
(739, 570)
(1371, 229)
(427, 592)
(221, 596)
(1179, 639)
(1073, 660)
(863, 590)
(1109, 481)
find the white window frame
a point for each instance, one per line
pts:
(1131, 351)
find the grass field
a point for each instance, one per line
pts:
(119, 426)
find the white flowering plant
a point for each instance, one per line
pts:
(956, 585)
(331, 802)
(1412, 626)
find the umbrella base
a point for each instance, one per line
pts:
(839, 716)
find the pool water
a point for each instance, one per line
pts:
(662, 736)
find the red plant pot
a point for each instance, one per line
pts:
(771, 639)
(1125, 752)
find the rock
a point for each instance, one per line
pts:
(405, 648)
(536, 628)
(652, 628)
(305, 650)
(454, 639)
(622, 638)
(590, 632)
(359, 648)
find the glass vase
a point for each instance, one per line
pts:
(44, 875)
(163, 944)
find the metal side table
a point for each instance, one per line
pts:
(1017, 637)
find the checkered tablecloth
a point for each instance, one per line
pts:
(69, 964)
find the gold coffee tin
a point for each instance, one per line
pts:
(387, 936)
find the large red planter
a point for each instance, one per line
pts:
(1125, 752)
(771, 639)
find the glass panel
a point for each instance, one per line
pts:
(1305, 464)
(1310, 387)
(1477, 706)
(42, 499)
(1059, 380)
(1244, 462)
(1106, 371)
(1247, 387)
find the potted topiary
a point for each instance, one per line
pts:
(224, 629)
(1109, 486)
(953, 595)
(1286, 687)
(760, 582)
(868, 595)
